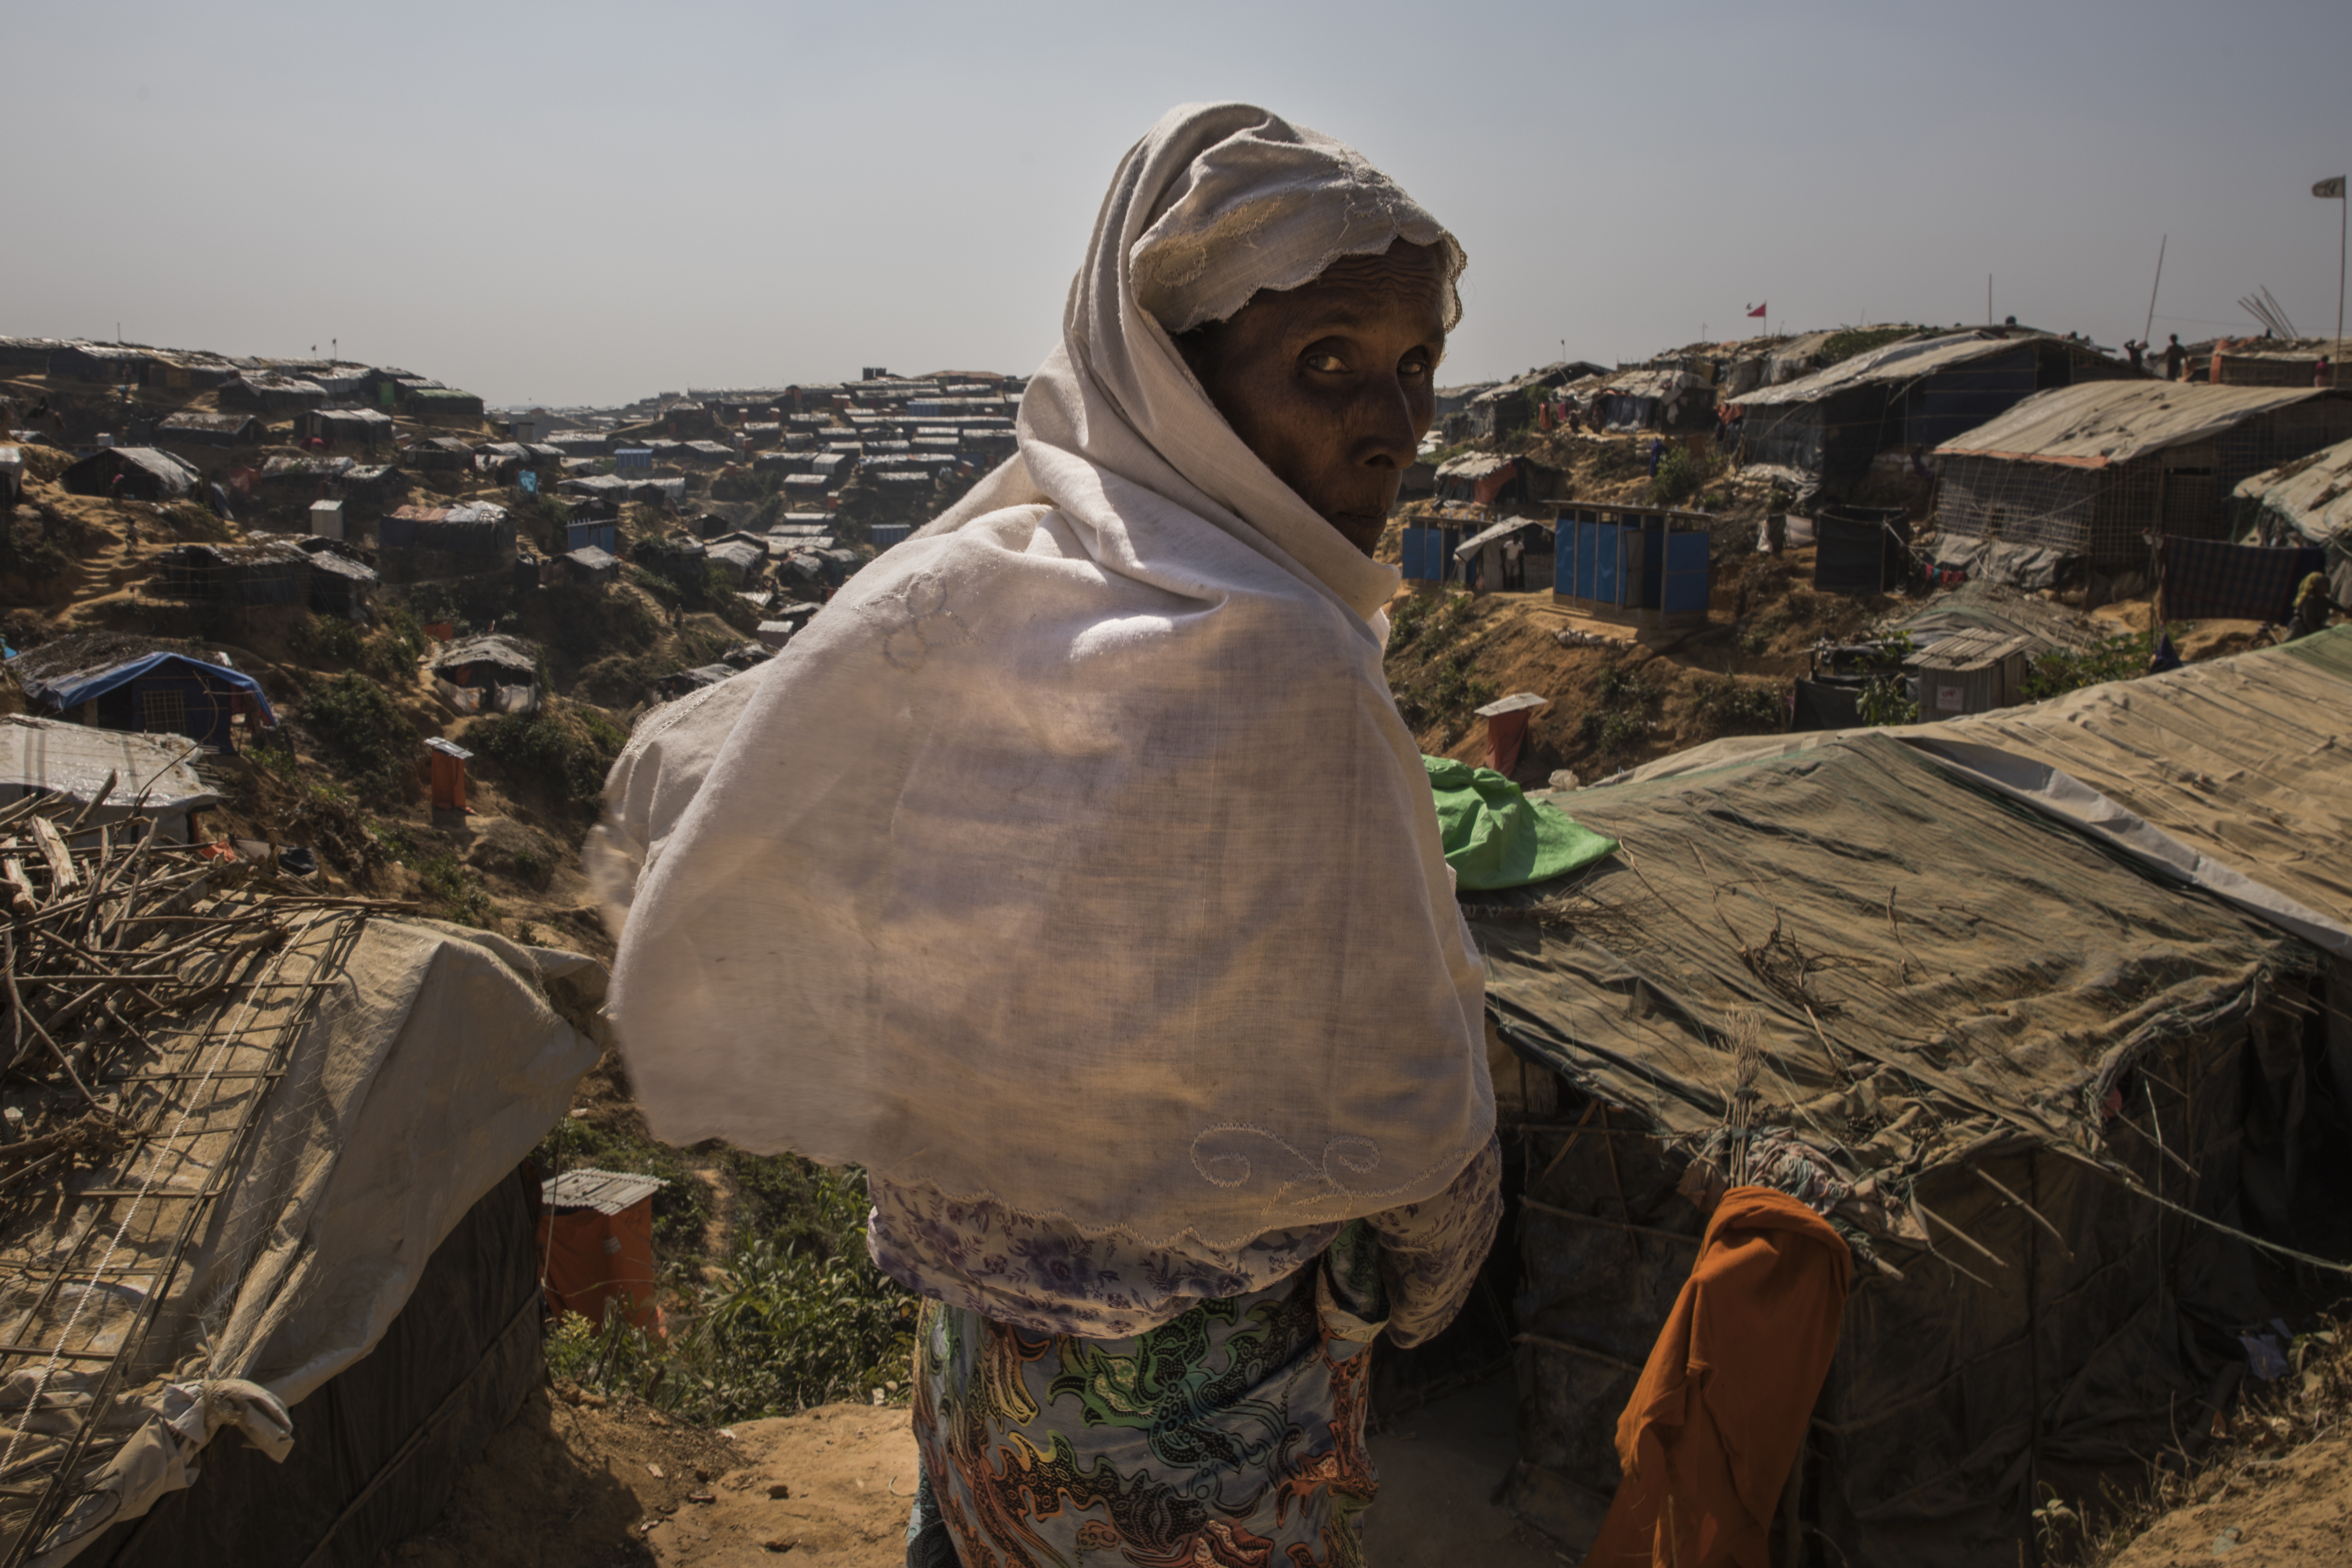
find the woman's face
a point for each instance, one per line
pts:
(1333, 383)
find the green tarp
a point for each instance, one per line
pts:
(1496, 837)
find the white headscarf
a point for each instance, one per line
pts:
(1075, 858)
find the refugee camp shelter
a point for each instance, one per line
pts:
(741, 557)
(2305, 502)
(80, 765)
(478, 529)
(488, 674)
(193, 427)
(147, 473)
(2085, 474)
(1916, 394)
(1653, 400)
(341, 585)
(273, 392)
(1495, 479)
(1648, 567)
(885, 534)
(134, 684)
(588, 566)
(602, 535)
(1971, 672)
(268, 571)
(1483, 560)
(304, 1292)
(365, 426)
(1972, 1023)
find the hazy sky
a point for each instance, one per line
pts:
(589, 202)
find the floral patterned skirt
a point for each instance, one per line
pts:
(1230, 1437)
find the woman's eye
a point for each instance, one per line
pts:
(1412, 364)
(1328, 364)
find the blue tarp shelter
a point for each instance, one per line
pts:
(159, 693)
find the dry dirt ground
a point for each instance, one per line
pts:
(569, 1483)
(2291, 1513)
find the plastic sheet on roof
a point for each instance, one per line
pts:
(2102, 422)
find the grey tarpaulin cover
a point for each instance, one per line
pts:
(438, 1057)
(1965, 1006)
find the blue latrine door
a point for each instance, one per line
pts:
(1685, 586)
(1608, 564)
(1415, 550)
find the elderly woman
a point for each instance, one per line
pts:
(1073, 874)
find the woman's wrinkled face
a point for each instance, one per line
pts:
(1333, 383)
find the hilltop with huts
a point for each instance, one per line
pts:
(1953, 695)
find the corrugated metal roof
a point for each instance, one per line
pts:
(2102, 422)
(1906, 361)
(2313, 495)
(607, 1191)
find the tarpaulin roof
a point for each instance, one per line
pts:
(1508, 525)
(2102, 422)
(498, 651)
(1906, 361)
(74, 761)
(71, 689)
(1932, 972)
(2313, 495)
(1982, 604)
(1473, 465)
(1651, 383)
(2231, 772)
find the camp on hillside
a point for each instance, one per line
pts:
(244, 1209)
(2034, 1084)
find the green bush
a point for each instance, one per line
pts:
(454, 894)
(1680, 476)
(563, 751)
(392, 653)
(329, 640)
(1446, 691)
(361, 730)
(1618, 720)
(781, 1324)
(2061, 670)
(1729, 706)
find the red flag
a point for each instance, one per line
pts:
(1758, 311)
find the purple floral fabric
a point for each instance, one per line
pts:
(1048, 1279)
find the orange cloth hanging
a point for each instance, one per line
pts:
(1713, 1427)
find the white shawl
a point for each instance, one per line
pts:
(1075, 858)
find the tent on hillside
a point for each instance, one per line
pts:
(147, 474)
(189, 428)
(490, 674)
(1975, 1024)
(136, 684)
(315, 1238)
